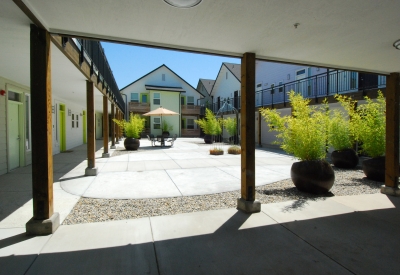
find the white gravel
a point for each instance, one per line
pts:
(88, 210)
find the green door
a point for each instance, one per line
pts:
(14, 137)
(62, 128)
(84, 127)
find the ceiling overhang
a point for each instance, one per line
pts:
(354, 35)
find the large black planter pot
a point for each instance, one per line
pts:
(131, 144)
(313, 176)
(208, 139)
(346, 158)
(374, 168)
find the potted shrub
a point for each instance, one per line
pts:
(230, 125)
(369, 125)
(210, 126)
(216, 151)
(166, 128)
(341, 136)
(304, 134)
(132, 129)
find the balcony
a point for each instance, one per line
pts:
(190, 110)
(139, 108)
(190, 132)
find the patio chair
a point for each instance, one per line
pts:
(172, 140)
(152, 139)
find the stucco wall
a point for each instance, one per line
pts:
(223, 87)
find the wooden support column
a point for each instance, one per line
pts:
(247, 201)
(112, 126)
(44, 220)
(91, 170)
(392, 135)
(105, 154)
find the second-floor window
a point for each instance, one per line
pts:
(190, 123)
(135, 97)
(144, 98)
(190, 100)
(157, 99)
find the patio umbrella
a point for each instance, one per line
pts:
(161, 112)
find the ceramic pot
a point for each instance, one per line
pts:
(313, 176)
(374, 168)
(346, 158)
(131, 144)
(208, 139)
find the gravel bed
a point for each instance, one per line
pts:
(88, 210)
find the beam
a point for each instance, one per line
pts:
(44, 220)
(91, 169)
(391, 186)
(105, 154)
(247, 202)
(112, 126)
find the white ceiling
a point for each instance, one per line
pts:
(67, 82)
(355, 34)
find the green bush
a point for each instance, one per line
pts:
(368, 123)
(230, 125)
(133, 127)
(339, 136)
(210, 124)
(166, 127)
(304, 134)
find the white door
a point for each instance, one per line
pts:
(14, 137)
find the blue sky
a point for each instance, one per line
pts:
(129, 63)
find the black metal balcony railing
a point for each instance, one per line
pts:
(316, 86)
(93, 53)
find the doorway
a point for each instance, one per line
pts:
(15, 138)
(301, 85)
(62, 128)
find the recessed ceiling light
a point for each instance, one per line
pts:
(397, 44)
(183, 4)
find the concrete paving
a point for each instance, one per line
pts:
(187, 169)
(335, 235)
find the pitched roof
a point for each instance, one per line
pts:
(165, 88)
(163, 65)
(235, 69)
(207, 84)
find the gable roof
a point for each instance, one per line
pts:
(235, 69)
(163, 65)
(207, 84)
(165, 88)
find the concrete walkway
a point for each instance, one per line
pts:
(186, 169)
(337, 235)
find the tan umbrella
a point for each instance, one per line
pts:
(161, 112)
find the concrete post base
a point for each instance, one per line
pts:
(248, 206)
(390, 191)
(113, 147)
(43, 227)
(117, 142)
(91, 171)
(105, 155)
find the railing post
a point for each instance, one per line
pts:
(327, 82)
(337, 81)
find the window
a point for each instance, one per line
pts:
(144, 98)
(190, 123)
(77, 120)
(157, 123)
(135, 97)
(182, 100)
(190, 100)
(73, 121)
(300, 72)
(156, 99)
(13, 96)
(28, 122)
(163, 77)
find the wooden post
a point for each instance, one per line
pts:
(392, 135)
(44, 220)
(247, 201)
(105, 128)
(91, 170)
(112, 127)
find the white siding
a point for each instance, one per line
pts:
(224, 88)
